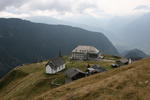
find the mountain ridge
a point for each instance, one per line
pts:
(135, 54)
(31, 42)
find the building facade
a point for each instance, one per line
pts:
(55, 65)
(82, 52)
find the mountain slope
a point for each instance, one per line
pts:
(135, 54)
(31, 42)
(7, 62)
(126, 83)
(29, 80)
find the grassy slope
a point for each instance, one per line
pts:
(130, 82)
(30, 80)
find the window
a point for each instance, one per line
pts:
(93, 55)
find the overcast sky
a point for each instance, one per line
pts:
(72, 8)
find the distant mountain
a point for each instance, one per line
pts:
(135, 54)
(26, 42)
(137, 33)
(50, 20)
(94, 25)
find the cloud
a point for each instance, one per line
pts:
(70, 6)
(73, 8)
(7, 3)
(142, 7)
(58, 5)
(11, 15)
(56, 8)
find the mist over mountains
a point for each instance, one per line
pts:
(136, 33)
(126, 32)
(130, 32)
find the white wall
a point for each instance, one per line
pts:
(49, 70)
(78, 55)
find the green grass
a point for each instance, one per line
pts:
(82, 65)
(111, 57)
(130, 82)
(12, 76)
(31, 80)
(77, 64)
(26, 81)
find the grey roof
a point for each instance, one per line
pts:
(56, 62)
(123, 60)
(72, 72)
(98, 68)
(85, 49)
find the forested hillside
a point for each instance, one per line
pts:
(30, 42)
